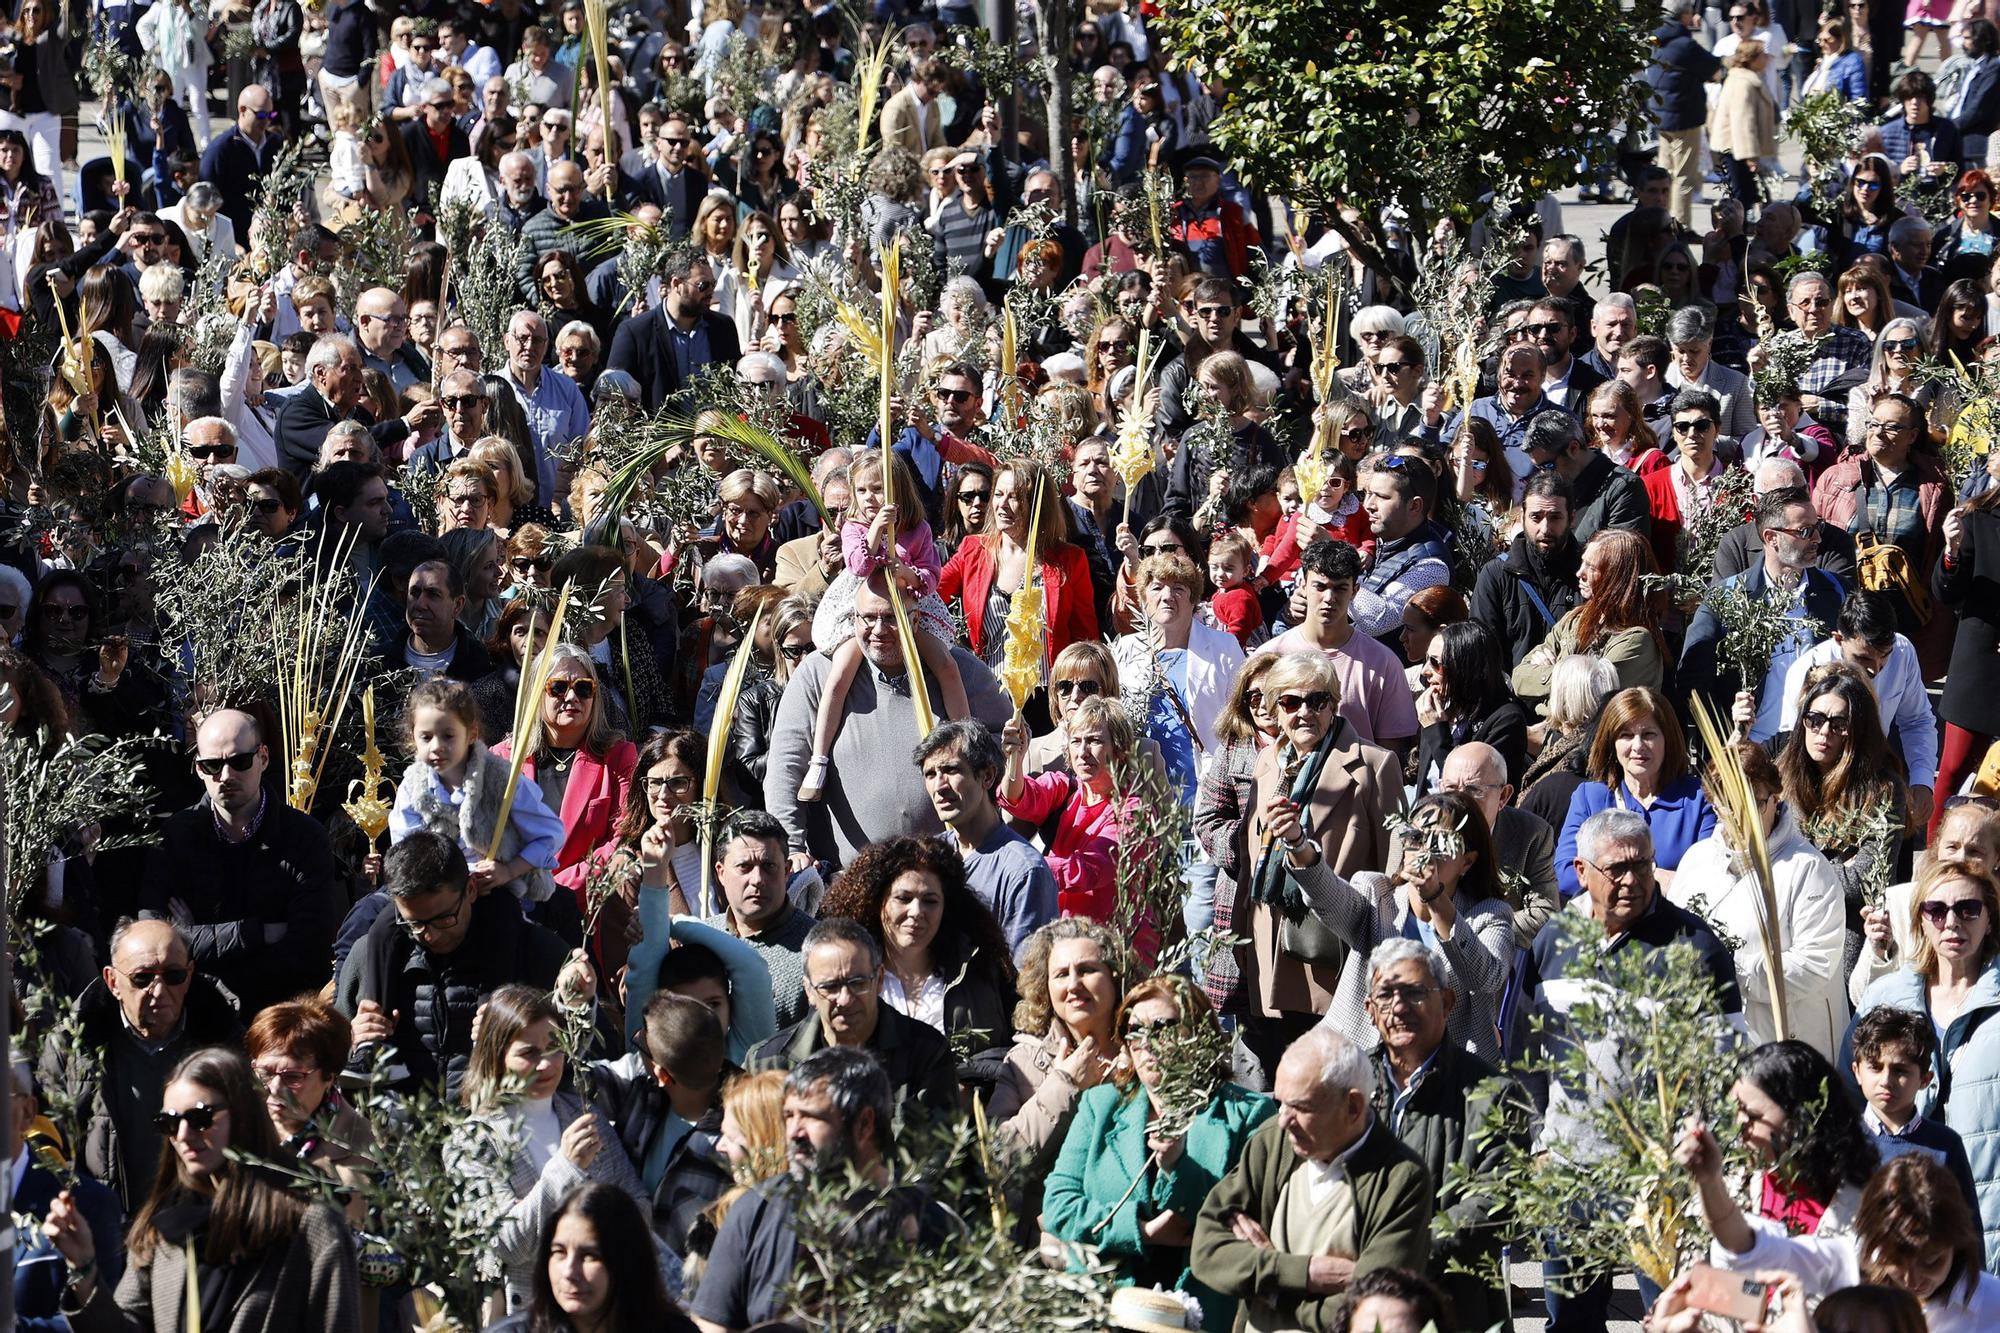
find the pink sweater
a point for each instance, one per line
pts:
(914, 548)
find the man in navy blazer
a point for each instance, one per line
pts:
(663, 348)
(333, 368)
(1976, 111)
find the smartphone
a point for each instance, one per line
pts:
(1730, 1295)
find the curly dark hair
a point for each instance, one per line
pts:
(1825, 1145)
(969, 937)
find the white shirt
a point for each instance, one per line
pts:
(1323, 1178)
(1775, 46)
(1899, 690)
(926, 1006)
(1772, 694)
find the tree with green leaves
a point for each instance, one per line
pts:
(1418, 107)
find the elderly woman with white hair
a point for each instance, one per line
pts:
(1372, 327)
(1578, 686)
(1893, 370)
(963, 332)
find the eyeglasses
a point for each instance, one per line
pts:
(1900, 344)
(1813, 720)
(1799, 534)
(211, 451)
(1314, 702)
(290, 1078)
(1082, 689)
(1693, 426)
(833, 990)
(200, 1118)
(465, 499)
(952, 395)
(235, 763)
(442, 921)
(146, 978)
(1623, 870)
(1388, 997)
(560, 689)
(680, 785)
(1887, 427)
(1935, 910)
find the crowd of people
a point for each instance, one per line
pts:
(1188, 727)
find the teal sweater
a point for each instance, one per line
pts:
(1105, 1151)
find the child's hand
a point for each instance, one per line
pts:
(483, 875)
(883, 528)
(908, 579)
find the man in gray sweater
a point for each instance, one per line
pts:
(873, 790)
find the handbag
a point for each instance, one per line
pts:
(1885, 567)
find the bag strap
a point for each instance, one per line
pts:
(1534, 595)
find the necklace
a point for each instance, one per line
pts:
(560, 760)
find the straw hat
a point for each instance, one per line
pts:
(1149, 1310)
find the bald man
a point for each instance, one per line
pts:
(570, 203)
(1524, 846)
(382, 327)
(147, 1010)
(247, 877)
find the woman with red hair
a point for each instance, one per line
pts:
(1973, 231)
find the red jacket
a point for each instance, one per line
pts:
(1069, 606)
(593, 799)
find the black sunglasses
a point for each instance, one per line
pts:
(145, 977)
(200, 1117)
(795, 652)
(1082, 689)
(584, 690)
(538, 564)
(237, 763)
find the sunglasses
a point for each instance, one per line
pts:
(200, 1118)
(1082, 689)
(562, 689)
(1973, 196)
(974, 497)
(1213, 311)
(462, 402)
(531, 564)
(1899, 344)
(1812, 720)
(1115, 345)
(235, 763)
(789, 317)
(952, 395)
(1396, 367)
(1141, 1033)
(70, 613)
(1867, 183)
(211, 451)
(145, 978)
(1693, 426)
(1163, 548)
(1965, 909)
(796, 652)
(1314, 702)
(1542, 330)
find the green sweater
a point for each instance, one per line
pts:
(1105, 1151)
(1392, 1223)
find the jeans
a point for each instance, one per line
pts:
(1198, 906)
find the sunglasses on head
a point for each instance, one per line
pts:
(235, 763)
(200, 1118)
(562, 689)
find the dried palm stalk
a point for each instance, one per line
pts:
(527, 701)
(1735, 805)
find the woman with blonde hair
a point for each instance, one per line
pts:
(1615, 427)
(754, 1143)
(1743, 123)
(515, 485)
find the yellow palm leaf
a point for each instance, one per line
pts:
(718, 746)
(920, 691)
(527, 700)
(1735, 802)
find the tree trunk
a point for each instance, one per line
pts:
(1061, 98)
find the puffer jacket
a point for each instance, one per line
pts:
(1812, 920)
(1966, 1091)
(208, 1019)
(434, 1033)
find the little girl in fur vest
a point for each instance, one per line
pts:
(455, 787)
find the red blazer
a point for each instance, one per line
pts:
(1069, 606)
(592, 802)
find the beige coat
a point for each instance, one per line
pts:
(1744, 120)
(899, 123)
(1347, 814)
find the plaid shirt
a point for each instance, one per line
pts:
(1892, 511)
(1841, 350)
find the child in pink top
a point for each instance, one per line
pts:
(878, 535)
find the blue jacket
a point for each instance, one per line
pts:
(1681, 67)
(1105, 1151)
(1849, 77)
(1679, 818)
(39, 1271)
(1966, 1091)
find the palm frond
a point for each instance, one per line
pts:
(676, 430)
(868, 95)
(1735, 802)
(527, 700)
(920, 691)
(718, 747)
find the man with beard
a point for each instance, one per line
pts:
(837, 1112)
(1523, 595)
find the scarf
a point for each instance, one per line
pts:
(1272, 886)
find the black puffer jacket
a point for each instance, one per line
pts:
(208, 1019)
(435, 998)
